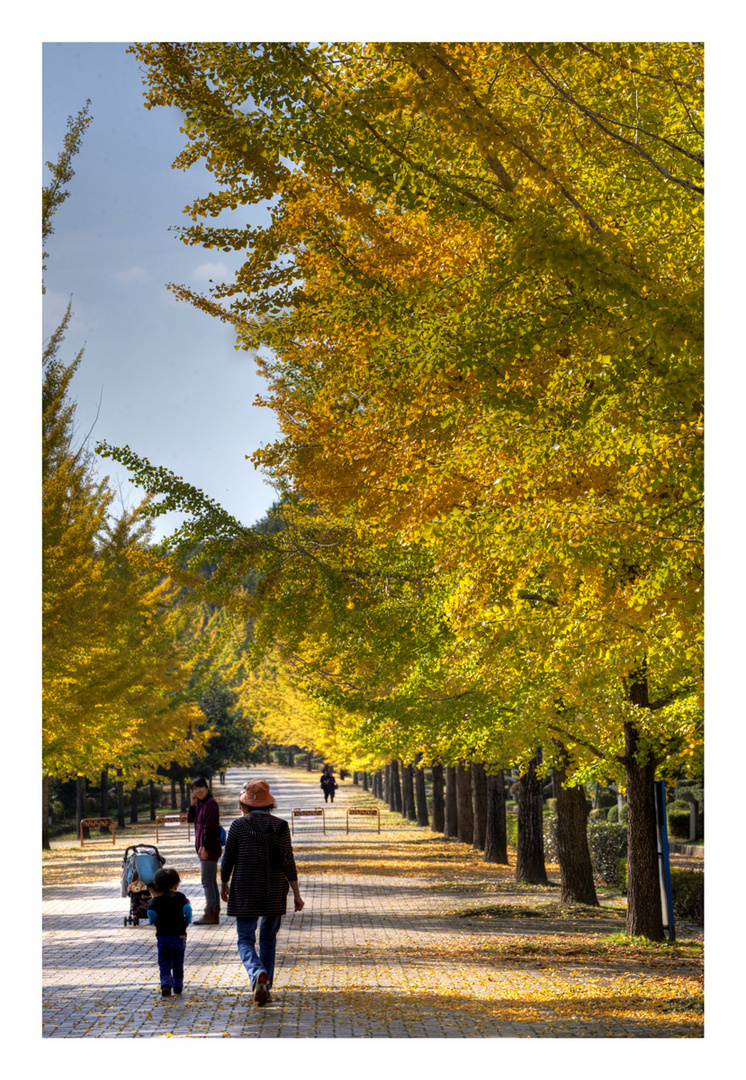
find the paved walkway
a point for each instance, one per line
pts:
(383, 948)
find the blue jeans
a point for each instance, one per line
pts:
(171, 960)
(265, 960)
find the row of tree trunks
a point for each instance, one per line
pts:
(473, 810)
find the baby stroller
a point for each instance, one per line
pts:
(140, 864)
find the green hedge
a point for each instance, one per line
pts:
(612, 814)
(688, 890)
(607, 842)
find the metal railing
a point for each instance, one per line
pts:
(312, 812)
(172, 821)
(364, 811)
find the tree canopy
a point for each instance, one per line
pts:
(478, 306)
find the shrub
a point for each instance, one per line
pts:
(678, 819)
(607, 842)
(598, 815)
(511, 826)
(683, 788)
(605, 800)
(551, 805)
(612, 814)
(688, 890)
(57, 810)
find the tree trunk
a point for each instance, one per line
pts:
(120, 800)
(419, 787)
(576, 872)
(465, 806)
(396, 787)
(80, 784)
(153, 807)
(174, 805)
(439, 806)
(530, 851)
(45, 845)
(365, 780)
(644, 913)
(133, 805)
(378, 780)
(408, 807)
(309, 762)
(450, 830)
(355, 778)
(182, 796)
(103, 803)
(496, 832)
(291, 757)
(479, 784)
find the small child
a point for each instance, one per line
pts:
(170, 912)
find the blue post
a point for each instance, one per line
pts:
(664, 862)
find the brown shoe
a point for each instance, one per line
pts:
(261, 990)
(211, 917)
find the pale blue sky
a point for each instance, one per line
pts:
(171, 384)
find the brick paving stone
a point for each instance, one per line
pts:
(368, 957)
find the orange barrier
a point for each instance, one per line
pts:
(316, 811)
(172, 821)
(87, 822)
(364, 811)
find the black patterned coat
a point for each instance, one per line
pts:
(258, 864)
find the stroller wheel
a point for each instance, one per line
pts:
(136, 921)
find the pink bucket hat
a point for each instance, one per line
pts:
(256, 794)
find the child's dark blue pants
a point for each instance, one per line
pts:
(171, 960)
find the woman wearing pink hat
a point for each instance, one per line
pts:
(258, 863)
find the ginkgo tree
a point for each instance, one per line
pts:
(117, 639)
(479, 299)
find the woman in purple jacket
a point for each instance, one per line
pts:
(205, 814)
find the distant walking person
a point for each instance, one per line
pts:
(328, 784)
(257, 872)
(205, 814)
(170, 912)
